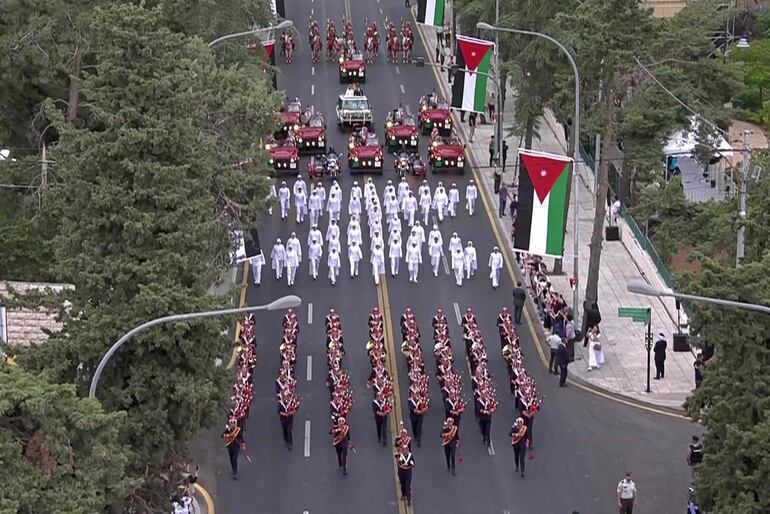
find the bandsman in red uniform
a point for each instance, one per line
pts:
(450, 440)
(233, 437)
(519, 441)
(341, 440)
(405, 464)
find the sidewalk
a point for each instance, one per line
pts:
(624, 372)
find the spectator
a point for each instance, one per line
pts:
(591, 319)
(553, 343)
(570, 332)
(660, 356)
(472, 125)
(519, 299)
(505, 153)
(626, 495)
(492, 152)
(513, 207)
(595, 352)
(502, 195)
(562, 359)
(491, 106)
(616, 208)
(698, 366)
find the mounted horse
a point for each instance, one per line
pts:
(287, 47)
(315, 47)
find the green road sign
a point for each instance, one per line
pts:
(638, 314)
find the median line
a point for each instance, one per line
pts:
(307, 438)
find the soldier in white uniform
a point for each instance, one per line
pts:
(299, 184)
(333, 229)
(435, 250)
(319, 187)
(423, 189)
(410, 208)
(402, 193)
(292, 263)
(314, 206)
(354, 256)
(334, 265)
(354, 206)
(395, 253)
(256, 263)
(378, 263)
(420, 233)
(356, 191)
(471, 193)
(293, 242)
(336, 189)
(278, 258)
(394, 231)
(436, 234)
(284, 198)
(455, 243)
(272, 196)
(314, 252)
(375, 225)
(425, 205)
(300, 202)
(354, 233)
(454, 200)
(391, 209)
(334, 206)
(458, 264)
(440, 202)
(369, 191)
(414, 238)
(495, 265)
(471, 263)
(413, 260)
(333, 244)
(376, 241)
(315, 234)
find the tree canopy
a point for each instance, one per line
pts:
(60, 453)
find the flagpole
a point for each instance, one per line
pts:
(576, 154)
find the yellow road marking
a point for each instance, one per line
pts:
(396, 418)
(241, 303)
(504, 246)
(206, 498)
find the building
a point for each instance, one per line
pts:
(24, 327)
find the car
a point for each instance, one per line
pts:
(446, 153)
(435, 113)
(283, 154)
(289, 119)
(353, 69)
(353, 109)
(364, 151)
(311, 137)
(401, 132)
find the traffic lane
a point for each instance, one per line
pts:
(605, 442)
(371, 470)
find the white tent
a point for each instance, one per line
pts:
(682, 143)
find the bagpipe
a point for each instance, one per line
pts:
(380, 380)
(243, 389)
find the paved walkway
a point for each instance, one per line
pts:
(625, 369)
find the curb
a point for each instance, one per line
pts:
(206, 504)
(536, 327)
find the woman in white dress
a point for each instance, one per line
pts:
(595, 352)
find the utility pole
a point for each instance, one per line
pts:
(741, 250)
(500, 93)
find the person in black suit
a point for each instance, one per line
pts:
(562, 359)
(519, 299)
(660, 356)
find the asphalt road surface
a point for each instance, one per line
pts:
(583, 443)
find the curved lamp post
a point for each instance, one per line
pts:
(643, 288)
(284, 302)
(576, 134)
(285, 24)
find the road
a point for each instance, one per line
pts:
(582, 443)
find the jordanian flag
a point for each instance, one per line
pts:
(431, 12)
(542, 197)
(469, 90)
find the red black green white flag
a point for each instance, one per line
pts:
(431, 12)
(269, 47)
(542, 203)
(469, 89)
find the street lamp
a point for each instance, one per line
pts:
(575, 139)
(643, 288)
(284, 302)
(285, 24)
